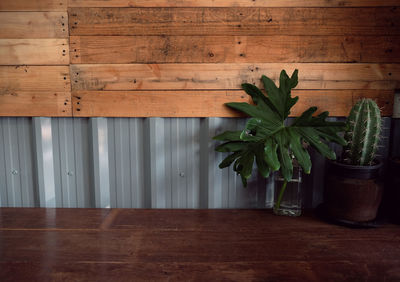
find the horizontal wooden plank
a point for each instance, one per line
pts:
(230, 76)
(234, 21)
(229, 49)
(34, 52)
(211, 103)
(34, 78)
(34, 103)
(232, 3)
(33, 5)
(33, 24)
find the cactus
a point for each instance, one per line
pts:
(363, 128)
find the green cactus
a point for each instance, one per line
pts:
(363, 128)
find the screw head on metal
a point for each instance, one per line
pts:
(70, 173)
(182, 174)
(14, 172)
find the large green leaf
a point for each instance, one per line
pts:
(256, 112)
(233, 146)
(258, 97)
(324, 129)
(257, 129)
(312, 137)
(281, 97)
(305, 118)
(270, 154)
(330, 134)
(244, 165)
(301, 154)
(262, 166)
(228, 136)
(229, 159)
(282, 140)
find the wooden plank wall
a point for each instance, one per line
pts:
(34, 58)
(186, 58)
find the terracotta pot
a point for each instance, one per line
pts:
(352, 193)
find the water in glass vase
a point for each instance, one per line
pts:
(287, 195)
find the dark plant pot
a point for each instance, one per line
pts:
(392, 190)
(352, 193)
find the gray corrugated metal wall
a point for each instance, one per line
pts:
(128, 163)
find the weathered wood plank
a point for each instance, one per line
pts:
(232, 3)
(234, 21)
(34, 52)
(229, 49)
(33, 24)
(34, 103)
(230, 76)
(211, 103)
(34, 78)
(33, 5)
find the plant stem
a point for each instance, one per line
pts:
(278, 203)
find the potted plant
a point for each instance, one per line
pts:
(274, 145)
(352, 190)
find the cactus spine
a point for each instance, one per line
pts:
(363, 128)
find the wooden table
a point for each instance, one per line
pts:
(190, 245)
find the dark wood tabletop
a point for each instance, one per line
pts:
(190, 245)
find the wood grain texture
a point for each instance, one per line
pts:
(34, 78)
(230, 49)
(33, 24)
(34, 52)
(230, 76)
(234, 21)
(15, 219)
(34, 103)
(33, 5)
(211, 103)
(231, 3)
(192, 245)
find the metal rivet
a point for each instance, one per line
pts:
(14, 172)
(182, 174)
(70, 173)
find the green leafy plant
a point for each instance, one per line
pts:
(363, 128)
(267, 140)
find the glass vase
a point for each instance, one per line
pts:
(288, 197)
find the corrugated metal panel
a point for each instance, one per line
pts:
(129, 163)
(17, 177)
